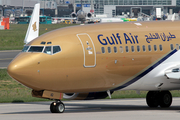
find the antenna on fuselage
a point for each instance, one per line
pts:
(33, 28)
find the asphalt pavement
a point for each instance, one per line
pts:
(106, 109)
(6, 57)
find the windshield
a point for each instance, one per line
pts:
(25, 48)
(36, 49)
(52, 50)
(56, 49)
(48, 49)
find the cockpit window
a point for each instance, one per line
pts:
(25, 48)
(36, 49)
(56, 49)
(47, 50)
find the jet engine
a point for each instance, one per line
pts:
(89, 15)
(73, 15)
(85, 96)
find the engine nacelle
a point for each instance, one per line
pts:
(89, 15)
(73, 15)
(85, 96)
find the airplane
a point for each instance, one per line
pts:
(81, 15)
(92, 61)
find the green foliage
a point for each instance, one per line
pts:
(134, 94)
(128, 94)
(12, 91)
(13, 39)
(4, 75)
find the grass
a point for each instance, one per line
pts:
(133, 94)
(12, 91)
(13, 39)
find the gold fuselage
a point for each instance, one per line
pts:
(65, 71)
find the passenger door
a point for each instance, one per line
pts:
(88, 50)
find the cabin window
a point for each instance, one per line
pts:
(36, 49)
(115, 49)
(144, 48)
(155, 48)
(121, 49)
(103, 49)
(56, 49)
(171, 46)
(25, 48)
(149, 47)
(47, 50)
(132, 48)
(109, 49)
(138, 48)
(160, 47)
(127, 49)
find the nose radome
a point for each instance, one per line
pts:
(18, 68)
(11, 69)
(15, 70)
(24, 70)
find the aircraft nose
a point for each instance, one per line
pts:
(16, 69)
(20, 69)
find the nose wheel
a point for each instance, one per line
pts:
(57, 107)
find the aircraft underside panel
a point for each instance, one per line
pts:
(88, 50)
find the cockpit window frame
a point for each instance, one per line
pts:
(36, 46)
(52, 46)
(45, 48)
(27, 49)
(52, 49)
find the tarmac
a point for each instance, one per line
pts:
(6, 57)
(106, 109)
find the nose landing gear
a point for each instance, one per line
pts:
(57, 107)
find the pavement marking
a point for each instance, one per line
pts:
(6, 59)
(3, 67)
(10, 51)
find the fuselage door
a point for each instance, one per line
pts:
(88, 50)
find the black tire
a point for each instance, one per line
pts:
(165, 99)
(152, 99)
(52, 108)
(60, 107)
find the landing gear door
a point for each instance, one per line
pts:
(88, 50)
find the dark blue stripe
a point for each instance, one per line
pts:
(146, 71)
